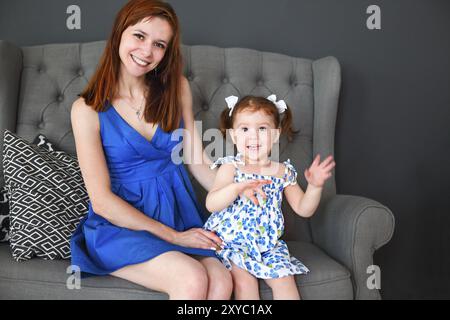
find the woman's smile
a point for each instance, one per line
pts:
(140, 62)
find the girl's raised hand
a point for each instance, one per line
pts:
(318, 172)
(250, 187)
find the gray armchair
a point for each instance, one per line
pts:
(38, 85)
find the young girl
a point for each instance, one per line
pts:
(251, 230)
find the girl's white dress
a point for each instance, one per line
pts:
(252, 233)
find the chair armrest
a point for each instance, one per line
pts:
(10, 72)
(350, 229)
(327, 86)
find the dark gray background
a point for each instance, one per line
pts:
(392, 135)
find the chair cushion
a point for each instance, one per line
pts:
(327, 278)
(42, 279)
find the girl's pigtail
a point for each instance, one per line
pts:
(286, 124)
(225, 122)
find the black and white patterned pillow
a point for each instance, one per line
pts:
(4, 215)
(41, 141)
(47, 199)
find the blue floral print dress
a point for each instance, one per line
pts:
(252, 233)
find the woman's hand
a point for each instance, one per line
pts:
(318, 173)
(198, 238)
(250, 187)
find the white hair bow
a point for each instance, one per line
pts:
(231, 102)
(280, 104)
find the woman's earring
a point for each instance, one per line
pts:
(155, 71)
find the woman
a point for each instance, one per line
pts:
(144, 224)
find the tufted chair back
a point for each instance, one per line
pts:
(53, 75)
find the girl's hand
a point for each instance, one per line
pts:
(198, 238)
(317, 173)
(250, 187)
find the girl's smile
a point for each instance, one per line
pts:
(254, 134)
(254, 147)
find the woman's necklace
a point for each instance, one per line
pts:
(138, 111)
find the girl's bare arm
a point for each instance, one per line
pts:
(303, 203)
(223, 191)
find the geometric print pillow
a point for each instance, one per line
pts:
(4, 215)
(47, 199)
(41, 141)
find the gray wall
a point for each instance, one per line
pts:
(392, 139)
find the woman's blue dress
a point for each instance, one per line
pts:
(143, 174)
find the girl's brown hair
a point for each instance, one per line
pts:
(252, 103)
(162, 104)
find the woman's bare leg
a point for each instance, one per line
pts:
(175, 273)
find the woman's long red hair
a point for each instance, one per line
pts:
(162, 105)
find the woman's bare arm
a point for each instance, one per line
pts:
(194, 156)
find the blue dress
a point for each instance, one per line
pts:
(143, 174)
